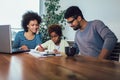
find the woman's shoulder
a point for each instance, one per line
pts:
(20, 32)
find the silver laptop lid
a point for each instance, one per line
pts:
(5, 39)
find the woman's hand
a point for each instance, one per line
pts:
(24, 47)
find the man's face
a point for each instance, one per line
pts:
(74, 23)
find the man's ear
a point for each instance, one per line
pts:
(79, 18)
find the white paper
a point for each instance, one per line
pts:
(42, 54)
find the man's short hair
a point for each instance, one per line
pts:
(73, 11)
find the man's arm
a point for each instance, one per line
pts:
(109, 38)
(76, 46)
(104, 54)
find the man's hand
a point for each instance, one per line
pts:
(104, 54)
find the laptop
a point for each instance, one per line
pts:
(6, 40)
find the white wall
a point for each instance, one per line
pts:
(106, 10)
(11, 11)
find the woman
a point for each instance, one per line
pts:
(56, 44)
(28, 39)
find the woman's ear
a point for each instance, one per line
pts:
(27, 25)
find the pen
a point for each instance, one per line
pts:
(40, 46)
(49, 54)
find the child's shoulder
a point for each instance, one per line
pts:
(49, 41)
(64, 41)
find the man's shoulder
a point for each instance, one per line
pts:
(94, 22)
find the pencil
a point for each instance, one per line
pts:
(40, 46)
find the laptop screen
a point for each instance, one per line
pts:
(5, 39)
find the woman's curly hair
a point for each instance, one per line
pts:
(27, 17)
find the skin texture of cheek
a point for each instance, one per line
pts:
(76, 26)
(33, 26)
(55, 38)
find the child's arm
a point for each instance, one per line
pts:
(39, 48)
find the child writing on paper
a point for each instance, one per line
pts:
(56, 44)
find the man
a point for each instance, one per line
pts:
(93, 38)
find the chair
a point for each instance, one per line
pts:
(70, 43)
(115, 54)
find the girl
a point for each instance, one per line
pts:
(56, 44)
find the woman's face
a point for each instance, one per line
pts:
(33, 26)
(55, 38)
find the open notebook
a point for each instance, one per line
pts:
(6, 40)
(42, 54)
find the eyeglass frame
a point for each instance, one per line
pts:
(74, 17)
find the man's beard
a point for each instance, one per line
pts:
(77, 27)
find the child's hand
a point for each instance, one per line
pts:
(56, 51)
(40, 49)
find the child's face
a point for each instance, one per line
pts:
(55, 38)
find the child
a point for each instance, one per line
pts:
(56, 44)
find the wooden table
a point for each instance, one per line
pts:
(24, 66)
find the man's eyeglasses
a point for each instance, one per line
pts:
(74, 17)
(70, 22)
